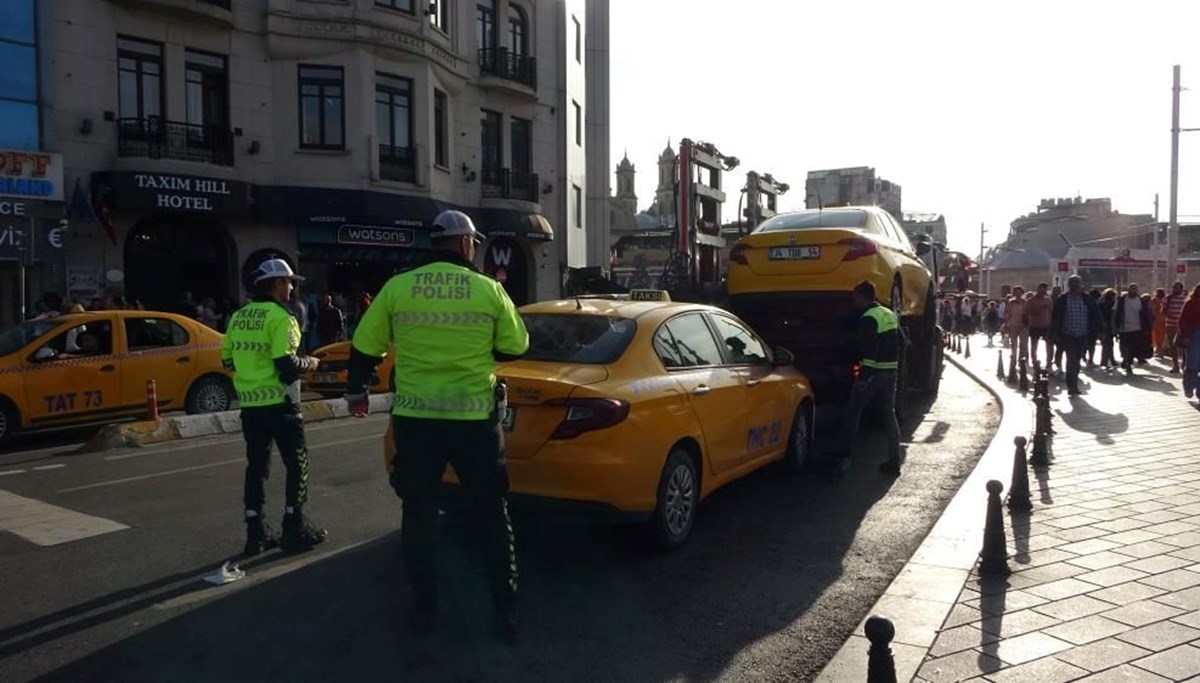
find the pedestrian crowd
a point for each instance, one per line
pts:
(1070, 326)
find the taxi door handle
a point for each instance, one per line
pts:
(752, 383)
(183, 359)
(702, 390)
(107, 368)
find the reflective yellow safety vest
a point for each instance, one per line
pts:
(444, 320)
(887, 339)
(257, 334)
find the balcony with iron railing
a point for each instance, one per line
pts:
(507, 66)
(504, 183)
(397, 164)
(156, 138)
(209, 11)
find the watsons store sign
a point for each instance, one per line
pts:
(369, 235)
(31, 175)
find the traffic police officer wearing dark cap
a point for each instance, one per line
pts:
(260, 347)
(448, 324)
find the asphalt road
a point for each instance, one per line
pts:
(778, 572)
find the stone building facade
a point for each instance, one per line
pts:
(209, 134)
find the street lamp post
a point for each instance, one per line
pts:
(982, 284)
(1173, 226)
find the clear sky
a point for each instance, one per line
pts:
(977, 110)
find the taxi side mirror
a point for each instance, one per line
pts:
(782, 356)
(923, 248)
(44, 354)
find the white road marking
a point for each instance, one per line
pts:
(41, 468)
(182, 470)
(8, 472)
(46, 524)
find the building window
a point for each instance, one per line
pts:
(393, 127)
(521, 132)
(206, 90)
(578, 196)
(578, 124)
(18, 84)
(492, 141)
(139, 70)
(322, 107)
(441, 129)
(485, 24)
(402, 5)
(578, 40)
(518, 31)
(439, 15)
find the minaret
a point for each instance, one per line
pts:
(664, 197)
(626, 192)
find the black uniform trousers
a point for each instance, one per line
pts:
(877, 386)
(476, 450)
(283, 425)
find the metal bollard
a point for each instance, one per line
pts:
(1037, 375)
(151, 400)
(1018, 491)
(1000, 366)
(881, 666)
(993, 559)
(1023, 384)
(1041, 434)
(967, 348)
(1012, 368)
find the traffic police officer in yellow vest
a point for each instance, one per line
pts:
(448, 324)
(878, 351)
(260, 348)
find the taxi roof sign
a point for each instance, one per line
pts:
(649, 295)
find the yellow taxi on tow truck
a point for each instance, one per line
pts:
(92, 367)
(644, 408)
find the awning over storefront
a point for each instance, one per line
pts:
(506, 223)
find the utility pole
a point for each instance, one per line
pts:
(982, 286)
(1154, 250)
(1173, 225)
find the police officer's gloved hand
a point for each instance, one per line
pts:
(309, 363)
(359, 404)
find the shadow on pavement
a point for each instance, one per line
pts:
(594, 606)
(1083, 417)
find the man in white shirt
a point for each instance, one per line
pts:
(1132, 322)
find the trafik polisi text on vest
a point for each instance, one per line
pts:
(249, 319)
(441, 286)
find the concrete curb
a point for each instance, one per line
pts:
(920, 598)
(176, 428)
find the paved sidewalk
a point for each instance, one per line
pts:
(1106, 569)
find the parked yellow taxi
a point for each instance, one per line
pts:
(93, 367)
(645, 408)
(329, 380)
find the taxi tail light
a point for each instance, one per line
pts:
(857, 247)
(587, 415)
(738, 254)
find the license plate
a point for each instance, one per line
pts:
(510, 416)
(325, 378)
(793, 253)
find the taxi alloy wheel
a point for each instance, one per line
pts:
(210, 395)
(8, 421)
(678, 497)
(799, 441)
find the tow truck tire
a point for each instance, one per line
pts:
(678, 500)
(10, 421)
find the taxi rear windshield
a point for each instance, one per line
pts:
(829, 218)
(580, 339)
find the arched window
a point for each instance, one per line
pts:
(485, 24)
(518, 31)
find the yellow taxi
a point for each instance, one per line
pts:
(644, 408)
(830, 251)
(329, 380)
(93, 367)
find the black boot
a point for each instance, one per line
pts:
(259, 536)
(299, 533)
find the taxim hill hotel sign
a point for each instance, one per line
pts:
(31, 175)
(174, 192)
